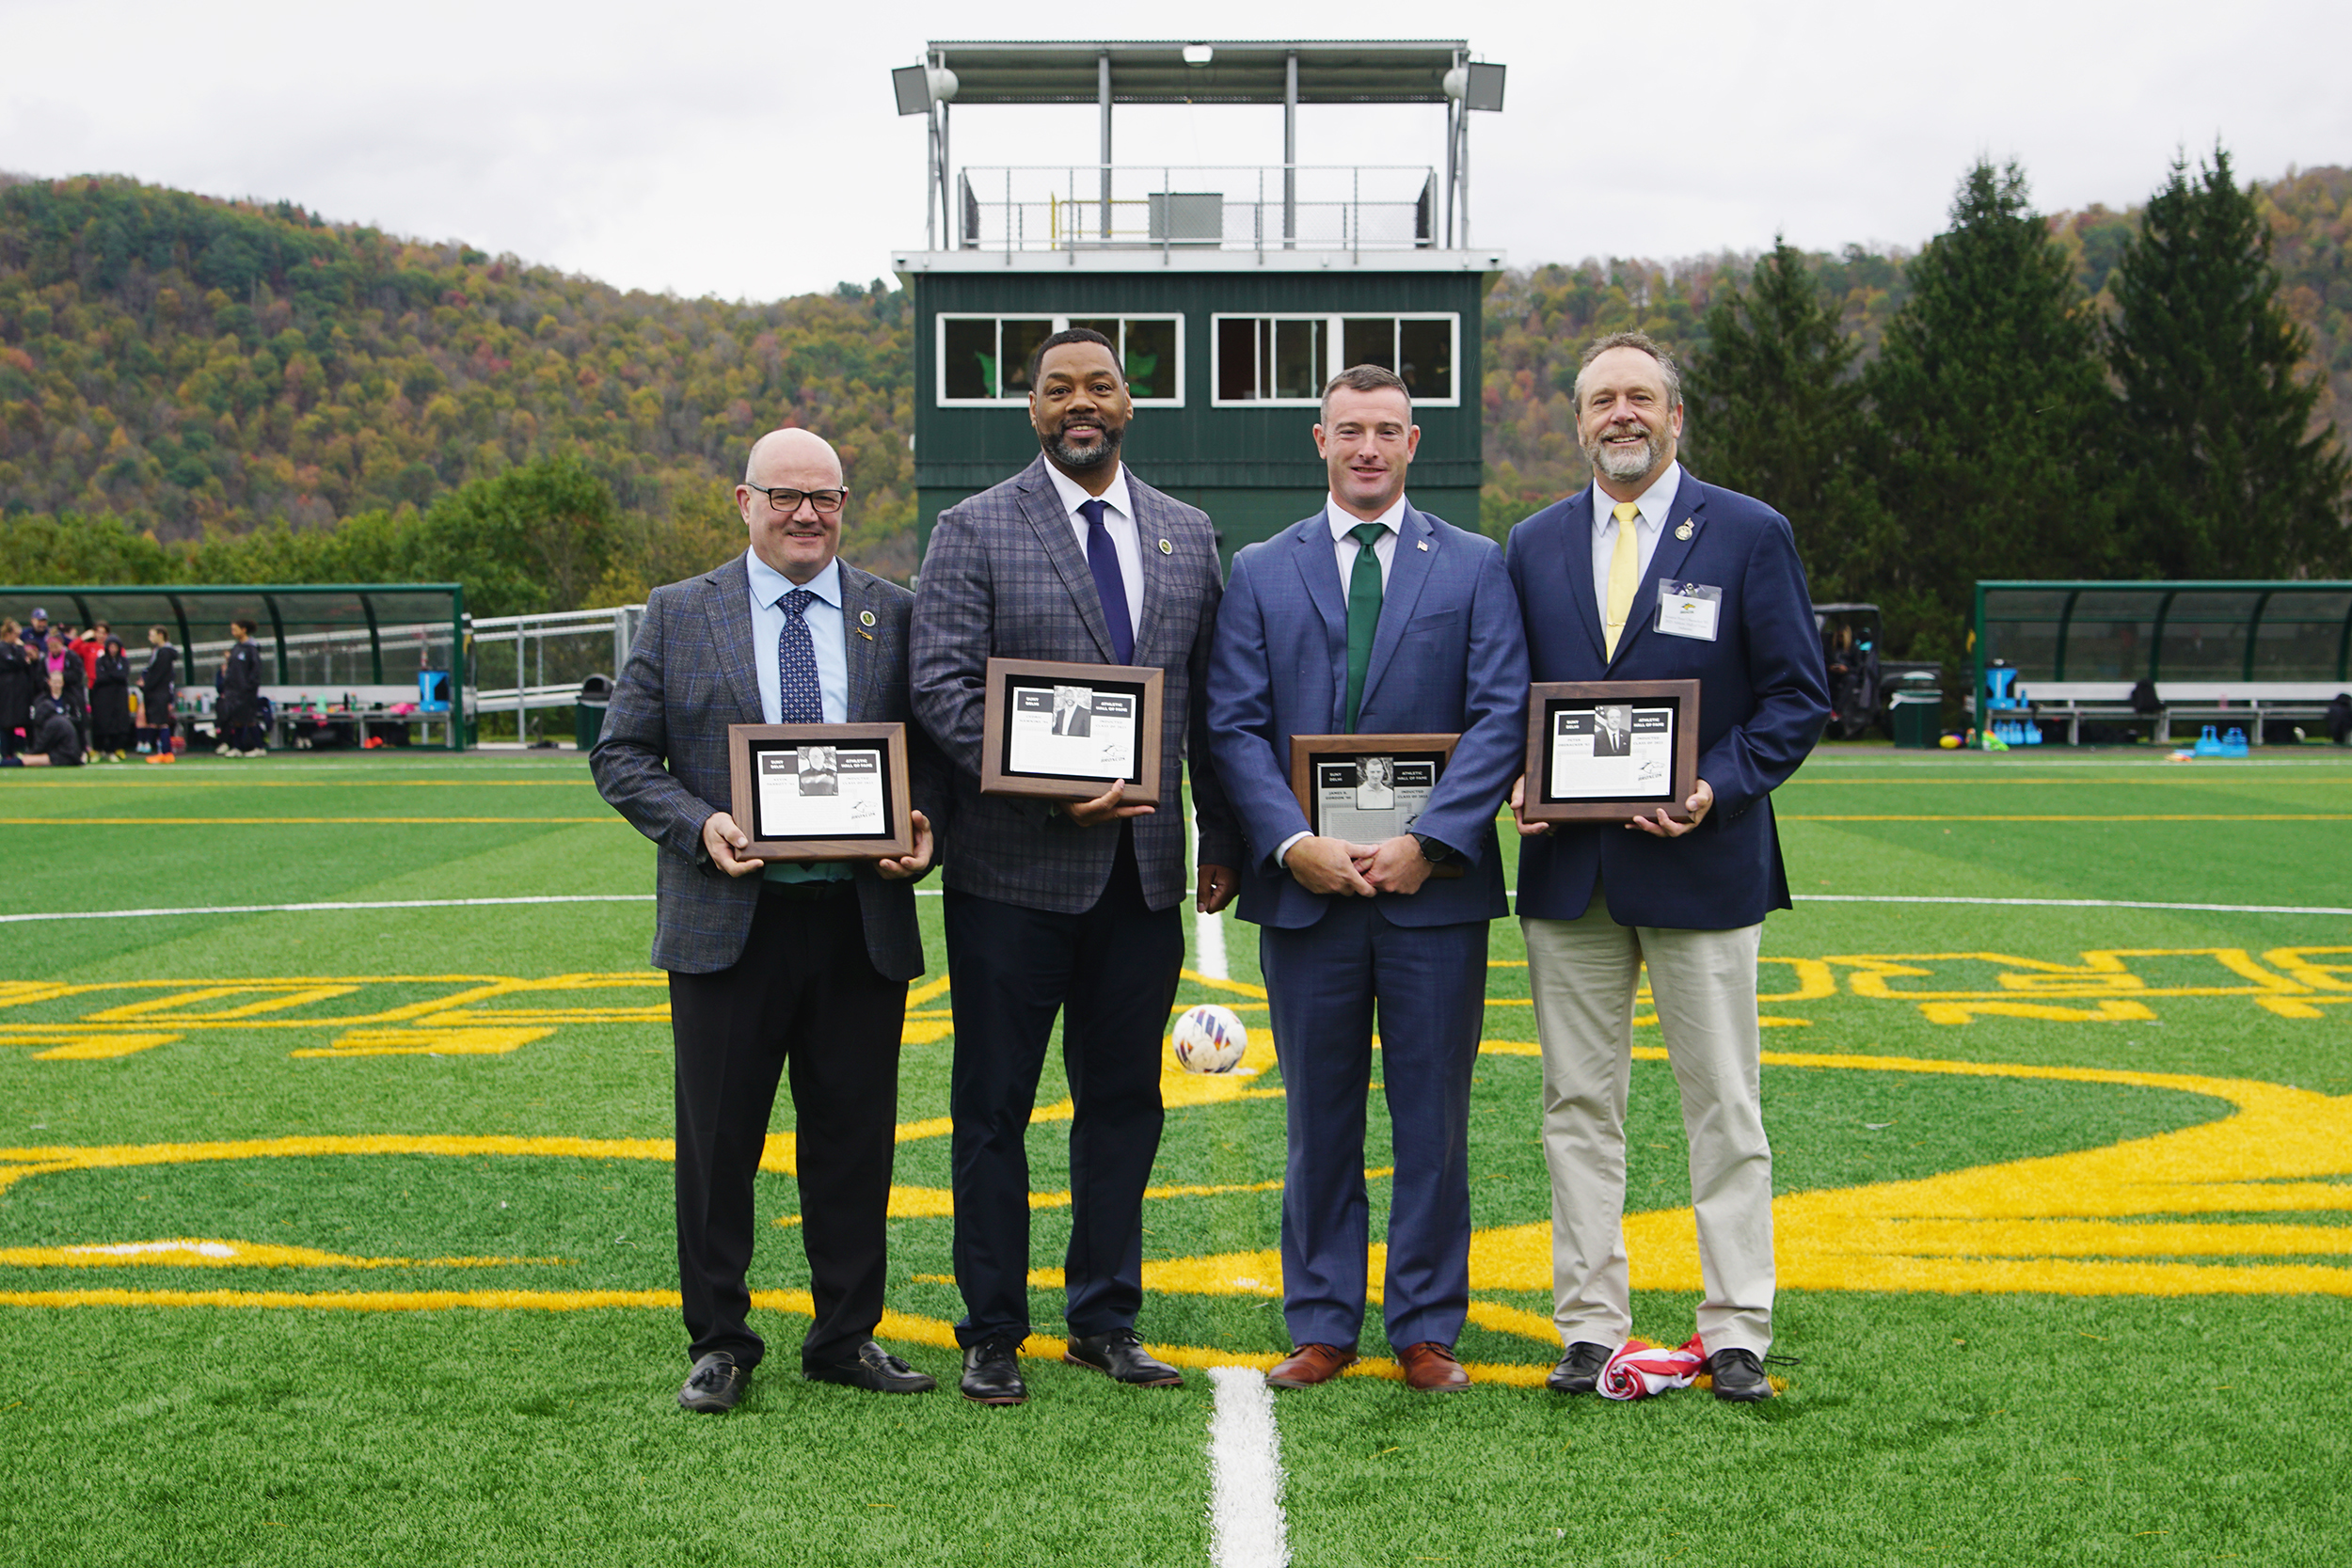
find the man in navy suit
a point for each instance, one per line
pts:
(1598, 901)
(1370, 617)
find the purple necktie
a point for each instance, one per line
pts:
(1103, 560)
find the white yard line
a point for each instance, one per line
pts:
(1207, 946)
(354, 904)
(1245, 1526)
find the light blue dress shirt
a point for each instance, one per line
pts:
(825, 633)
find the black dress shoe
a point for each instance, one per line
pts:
(991, 1375)
(1738, 1376)
(715, 1386)
(872, 1368)
(1579, 1372)
(1119, 1355)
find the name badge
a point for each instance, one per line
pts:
(1688, 609)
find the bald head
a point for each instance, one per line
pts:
(803, 453)
(801, 466)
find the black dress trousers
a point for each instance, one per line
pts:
(805, 994)
(1111, 972)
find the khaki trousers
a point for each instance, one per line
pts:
(1582, 974)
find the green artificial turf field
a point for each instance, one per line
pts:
(2062, 1227)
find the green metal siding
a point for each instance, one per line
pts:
(1197, 449)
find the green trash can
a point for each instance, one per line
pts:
(1915, 711)
(596, 695)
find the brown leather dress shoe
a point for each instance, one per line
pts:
(1430, 1368)
(1309, 1365)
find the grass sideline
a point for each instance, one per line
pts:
(1938, 1422)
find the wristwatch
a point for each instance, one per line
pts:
(1433, 851)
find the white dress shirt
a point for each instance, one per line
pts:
(1118, 521)
(1343, 553)
(1654, 502)
(825, 632)
(1344, 548)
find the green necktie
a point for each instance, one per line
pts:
(1363, 613)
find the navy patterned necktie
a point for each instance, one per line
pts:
(799, 699)
(1103, 560)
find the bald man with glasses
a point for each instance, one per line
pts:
(775, 966)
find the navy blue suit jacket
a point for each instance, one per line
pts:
(1763, 698)
(1449, 657)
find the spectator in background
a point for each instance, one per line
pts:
(52, 741)
(159, 689)
(62, 660)
(18, 682)
(237, 712)
(110, 703)
(36, 631)
(89, 645)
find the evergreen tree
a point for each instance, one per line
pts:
(1775, 413)
(1993, 423)
(2231, 478)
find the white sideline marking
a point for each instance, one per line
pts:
(1245, 1528)
(354, 904)
(1208, 941)
(2045, 903)
(2067, 903)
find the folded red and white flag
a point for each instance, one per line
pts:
(1641, 1369)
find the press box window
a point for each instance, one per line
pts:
(1288, 359)
(985, 359)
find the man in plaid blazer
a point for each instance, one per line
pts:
(1065, 908)
(771, 964)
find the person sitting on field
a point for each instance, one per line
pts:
(50, 740)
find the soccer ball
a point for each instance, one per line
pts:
(1208, 1038)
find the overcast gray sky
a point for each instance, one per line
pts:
(751, 151)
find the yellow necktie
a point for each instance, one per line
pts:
(1625, 564)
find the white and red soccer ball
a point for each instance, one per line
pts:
(1208, 1038)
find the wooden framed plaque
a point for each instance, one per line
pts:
(1610, 750)
(1365, 788)
(822, 792)
(1064, 732)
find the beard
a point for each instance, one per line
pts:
(1623, 465)
(1085, 457)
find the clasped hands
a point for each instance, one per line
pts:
(1357, 870)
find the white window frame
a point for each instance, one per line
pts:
(1061, 323)
(1334, 348)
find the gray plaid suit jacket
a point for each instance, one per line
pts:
(662, 761)
(1004, 578)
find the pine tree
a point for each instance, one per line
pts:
(1775, 413)
(1992, 422)
(2232, 479)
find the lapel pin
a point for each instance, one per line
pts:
(1684, 532)
(1167, 548)
(1422, 542)
(865, 617)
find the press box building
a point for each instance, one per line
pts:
(1232, 293)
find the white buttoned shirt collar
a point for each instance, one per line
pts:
(1118, 521)
(1654, 502)
(1344, 548)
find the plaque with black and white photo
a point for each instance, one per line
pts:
(1610, 750)
(1066, 732)
(1368, 788)
(822, 792)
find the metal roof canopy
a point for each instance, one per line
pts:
(2123, 630)
(1329, 72)
(1288, 72)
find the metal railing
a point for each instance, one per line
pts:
(547, 657)
(1176, 207)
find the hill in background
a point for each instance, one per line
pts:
(194, 369)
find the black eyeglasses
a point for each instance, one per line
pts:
(790, 500)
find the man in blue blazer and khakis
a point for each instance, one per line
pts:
(1599, 901)
(1371, 617)
(1070, 909)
